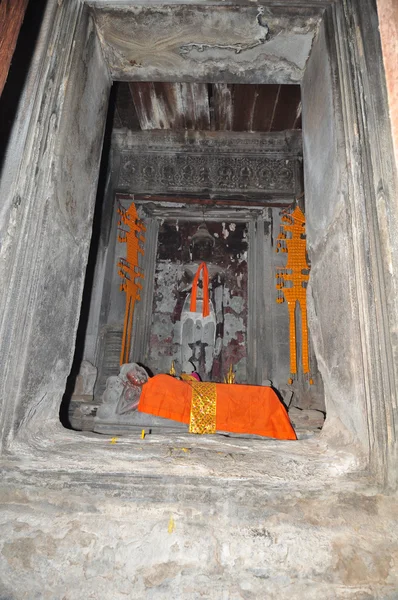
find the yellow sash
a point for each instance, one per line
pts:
(203, 407)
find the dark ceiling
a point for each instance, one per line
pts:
(209, 107)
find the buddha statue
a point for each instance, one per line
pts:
(202, 311)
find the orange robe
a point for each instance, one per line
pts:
(249, 409)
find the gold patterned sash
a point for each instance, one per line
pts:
(203, 407)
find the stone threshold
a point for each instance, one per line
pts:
(180, 463)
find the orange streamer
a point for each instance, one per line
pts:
(129, 271)
(205, 279)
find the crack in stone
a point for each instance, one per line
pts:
(185, 49)
(236, 48)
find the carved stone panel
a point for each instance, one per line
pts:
(267, 165)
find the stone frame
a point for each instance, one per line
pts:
(41, 158)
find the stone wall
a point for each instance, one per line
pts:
(46, 216)
(333, 306)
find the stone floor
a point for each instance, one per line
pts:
(192, 517)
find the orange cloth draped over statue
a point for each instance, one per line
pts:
(249, 409)
(205, 282)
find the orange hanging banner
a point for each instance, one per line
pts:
(129, 271)
(292, 282)
(205, 281)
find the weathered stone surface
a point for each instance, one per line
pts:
(324, 180)
(337, 342)
(306, 419)
(350, 182)
(81, 415)
(85, 381)
(194, 517)
(44, 254)
(332, 298)
(185, 43)
(375, 217)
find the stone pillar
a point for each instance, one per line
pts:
(46, 216)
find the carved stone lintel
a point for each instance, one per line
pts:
(247, 164)
(288, 143)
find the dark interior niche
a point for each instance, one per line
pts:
(233, 183)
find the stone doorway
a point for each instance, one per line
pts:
(349, 184)
(171, 145)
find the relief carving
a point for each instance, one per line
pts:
(162, 173)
